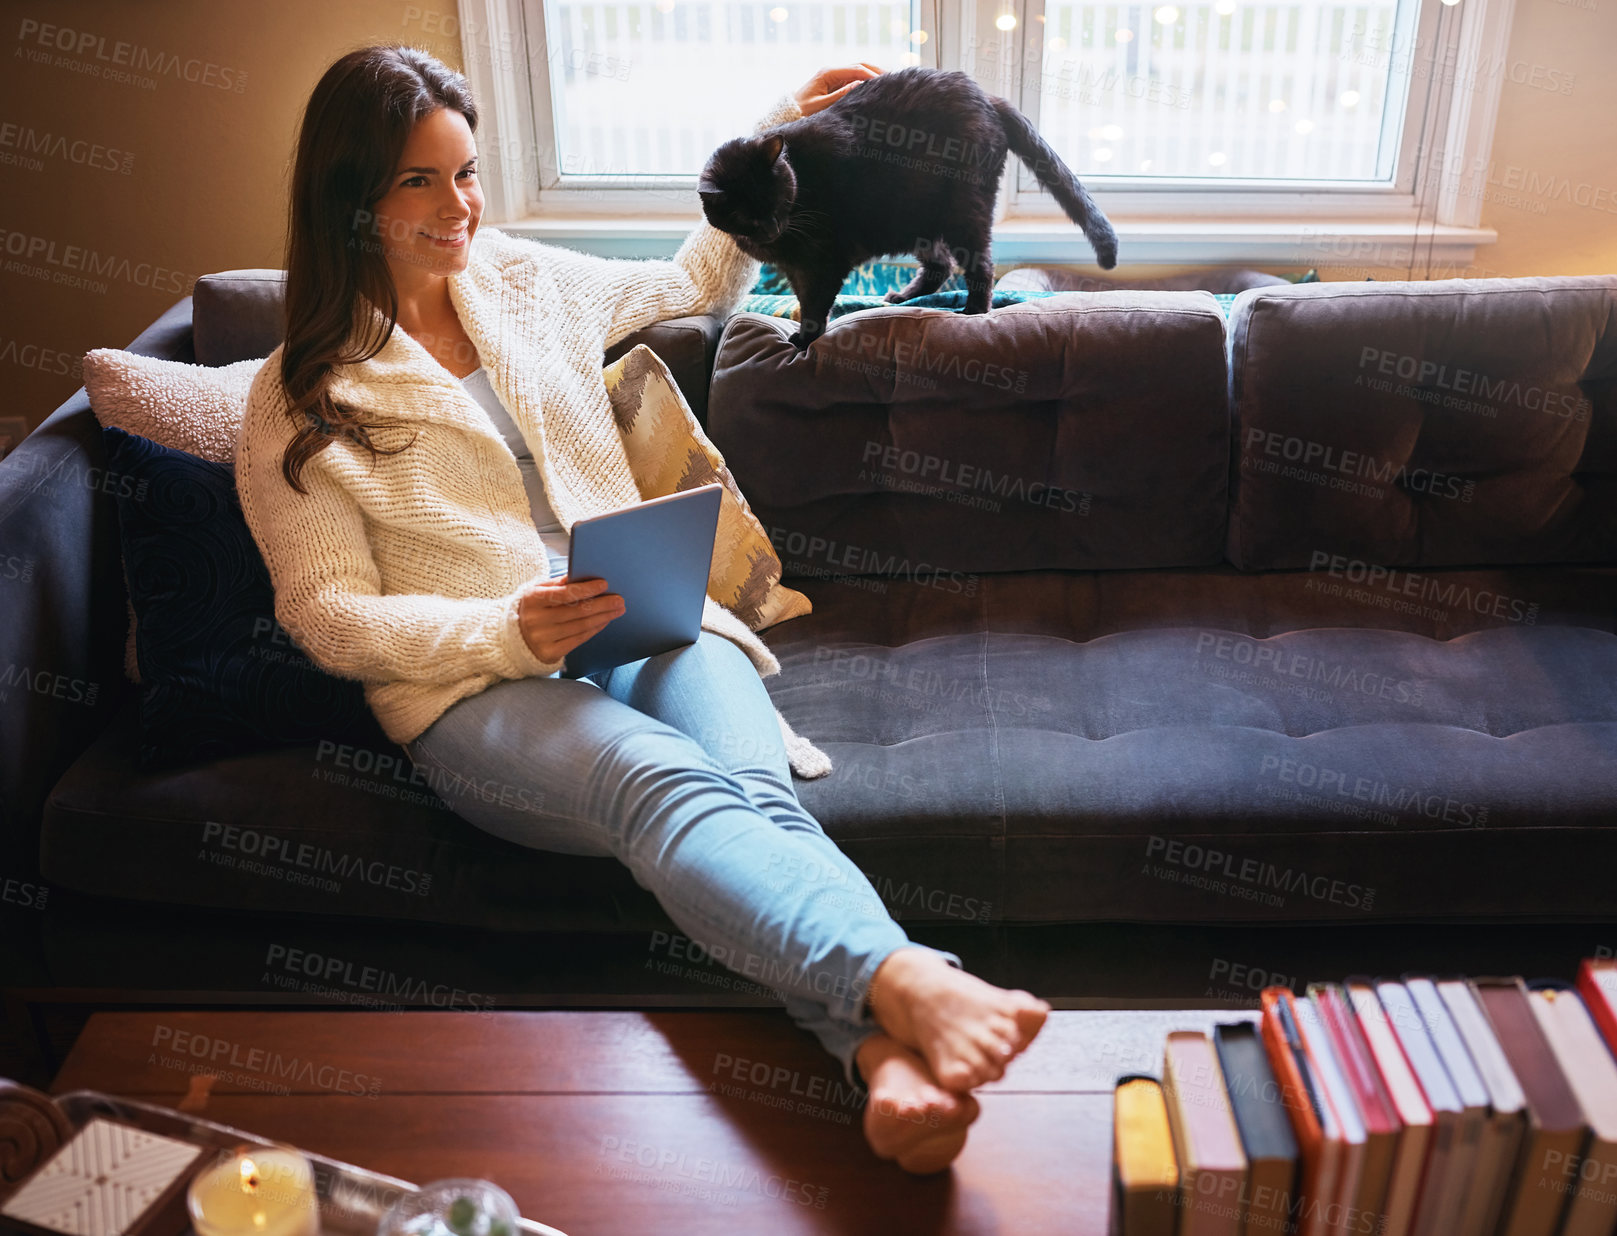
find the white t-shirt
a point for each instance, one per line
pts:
(551, 532)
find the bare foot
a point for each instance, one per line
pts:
(967, 1030)
(909, 1117)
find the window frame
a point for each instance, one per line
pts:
(1426, 218)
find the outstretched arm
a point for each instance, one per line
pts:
(708, 274)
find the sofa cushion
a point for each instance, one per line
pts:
(1462, 421)
(237, 315)
(1172, 746)
(1078, 431)
(1051, 746)
(328, 828)
(218, 674)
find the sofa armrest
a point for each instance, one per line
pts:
(688, 346)
(63, 595)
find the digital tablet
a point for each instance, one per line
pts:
(656, 556)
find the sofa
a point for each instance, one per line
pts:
(1133, 610)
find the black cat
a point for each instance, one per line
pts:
(905, 162)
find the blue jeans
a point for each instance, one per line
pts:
(674, 764)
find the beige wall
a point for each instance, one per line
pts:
(207, 162)
(1550, 190)
(1553, 198)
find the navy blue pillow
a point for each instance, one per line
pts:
(219, 676)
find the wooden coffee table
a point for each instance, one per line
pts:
(663, 1122)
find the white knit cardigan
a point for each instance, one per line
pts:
(405, 574)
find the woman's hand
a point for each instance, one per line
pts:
(829, 85)
(556, 616)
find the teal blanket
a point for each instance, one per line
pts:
(868, 283)
(779, 306)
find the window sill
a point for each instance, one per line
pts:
(1144, 242)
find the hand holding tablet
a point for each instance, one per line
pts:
(656, 556)
(558, 615)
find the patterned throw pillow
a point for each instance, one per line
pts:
(220, 675)
(668, 453)
(191, 408)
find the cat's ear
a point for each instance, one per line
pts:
(707, 185)
(771, 146)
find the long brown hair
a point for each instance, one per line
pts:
(351, 138)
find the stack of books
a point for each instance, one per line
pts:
(1423, 1107)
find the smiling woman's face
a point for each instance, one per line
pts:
(428, 216)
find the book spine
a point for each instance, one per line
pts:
(1597, 996)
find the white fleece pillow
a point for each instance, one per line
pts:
(191, 408)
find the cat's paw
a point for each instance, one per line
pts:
(797, 341)
(894, 298)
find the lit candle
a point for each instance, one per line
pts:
(256, 1191)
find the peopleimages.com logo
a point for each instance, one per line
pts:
(1273, 664)
(78, 266)
(22, 144)
(303, 862)
(249, 1062)
(1325, 783)
(90, 53)
(1258, 874)
(1461, 382)
(1268, 451)
(1425, 589)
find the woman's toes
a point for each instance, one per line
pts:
(957, 1062)
(958, 1072)
(1031, 1015)
(1001, 1047)
(993, 1068)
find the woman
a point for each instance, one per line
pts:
(374, 464)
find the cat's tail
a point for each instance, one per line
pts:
(1057, 177)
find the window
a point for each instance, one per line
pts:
(1283, 90)
(627, 94)
(1209, 130)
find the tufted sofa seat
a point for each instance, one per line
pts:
(1051, 737)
